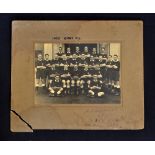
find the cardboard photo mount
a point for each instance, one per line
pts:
(27, 116)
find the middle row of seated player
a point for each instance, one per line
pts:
(75, 70)
(74, 66)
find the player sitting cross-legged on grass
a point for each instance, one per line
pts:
(56, 87)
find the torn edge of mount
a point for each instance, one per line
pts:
(22, 120)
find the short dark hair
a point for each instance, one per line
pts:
(46, 54)
(115, 55)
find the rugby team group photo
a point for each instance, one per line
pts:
(90, 70)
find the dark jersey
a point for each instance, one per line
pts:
(47, 63)
(97, 72)
(96, 83)
(57, 67)
(116, 63)
(60, 59)
(54, 61)
(63, 61)
(74, 61)
(74, 71)
(60, 53)
(102, 64)
(94, 70)
(62, 66)
(91, 70)
(104, 60)
(65, 71)
(65, 74)
(109, 63)
(85, 53)
(87, 60)
(69, 60)
(92, 62)
(39, 63)
(85, 74)
(68, 53)
(56, 83)
(53, 72)
(94, 54)
(78, 59)
(82, 61)
(77, 52)
(99, 62)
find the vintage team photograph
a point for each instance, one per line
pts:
(77, 73)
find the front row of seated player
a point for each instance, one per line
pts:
(91, 88)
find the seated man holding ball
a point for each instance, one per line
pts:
(56, 87)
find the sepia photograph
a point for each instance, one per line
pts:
(77, 73)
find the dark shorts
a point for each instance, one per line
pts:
(103, 72)
(108, 74)
(56, 88)
(47, 73)
(115, 75)
(40, 74)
